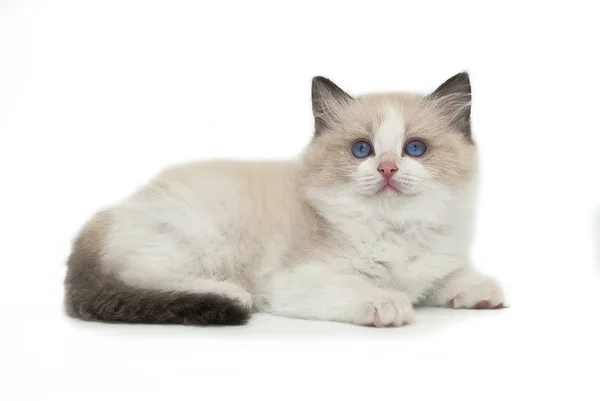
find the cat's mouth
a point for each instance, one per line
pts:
(392, 188)
(389, 188)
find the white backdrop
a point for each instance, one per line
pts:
(97, 96)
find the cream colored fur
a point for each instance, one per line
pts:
(312, 238)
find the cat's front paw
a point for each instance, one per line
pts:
(387, 310)
(477, 292)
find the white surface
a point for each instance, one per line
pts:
(97, 96)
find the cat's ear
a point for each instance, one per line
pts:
(453, 99)
(327, 100)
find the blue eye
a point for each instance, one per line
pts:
(415, 148)
(362, 149)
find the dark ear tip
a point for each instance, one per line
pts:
(322, 86)
(459, 83)
(462, 78)
(320, 80)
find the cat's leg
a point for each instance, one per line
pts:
(466, 289)
(313, 291)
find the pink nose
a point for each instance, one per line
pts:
(387, 169)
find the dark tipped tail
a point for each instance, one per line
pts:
(132, 305)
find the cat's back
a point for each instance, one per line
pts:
(236, 182)
(241, 195)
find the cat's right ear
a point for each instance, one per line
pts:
(327, 100)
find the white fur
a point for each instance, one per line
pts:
(389, 136)
(314, 291)
(465, 289)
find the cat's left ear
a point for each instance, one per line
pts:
(327, 100)
(453, 99)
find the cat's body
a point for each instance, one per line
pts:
(312, 238)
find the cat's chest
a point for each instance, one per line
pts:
(407, 256)
(382, 242)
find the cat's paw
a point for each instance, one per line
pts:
(387, 310)
(477, 292)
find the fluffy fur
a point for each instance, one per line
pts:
(320, 237)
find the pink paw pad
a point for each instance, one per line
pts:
(481, 305)
(487, 305)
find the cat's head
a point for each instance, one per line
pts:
(390, 149)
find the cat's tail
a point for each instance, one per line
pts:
(134, 305)
(93, 294)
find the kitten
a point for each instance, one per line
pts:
(373, 218)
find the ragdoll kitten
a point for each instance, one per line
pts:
(373, 218)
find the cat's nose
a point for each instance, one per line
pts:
(387, 169)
